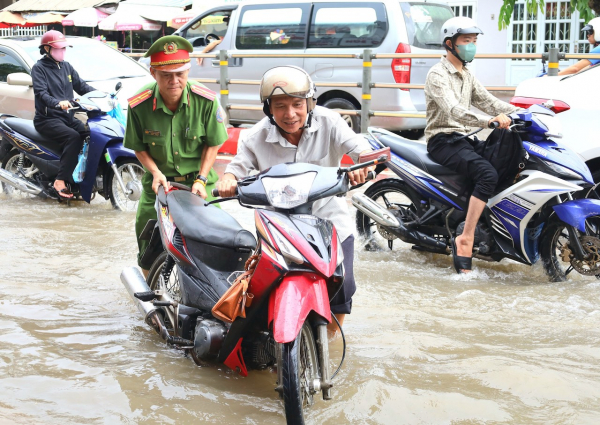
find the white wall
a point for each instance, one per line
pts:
(491, 71)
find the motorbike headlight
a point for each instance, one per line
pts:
(288, 192)
(287, 249)
(563, 171)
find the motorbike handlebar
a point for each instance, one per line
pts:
(215, 192)
(494, 124)
(73, 106)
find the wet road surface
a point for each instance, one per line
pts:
(424, 344)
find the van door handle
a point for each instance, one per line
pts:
(215, 63)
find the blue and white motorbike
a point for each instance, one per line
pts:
(30, 161)
(536, 216)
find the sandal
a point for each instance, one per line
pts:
(460, 263)
(57, 193)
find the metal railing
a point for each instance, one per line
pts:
(365, 113)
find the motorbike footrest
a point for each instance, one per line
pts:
(145, 296)
(176, 340)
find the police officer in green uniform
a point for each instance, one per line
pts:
(175, 128)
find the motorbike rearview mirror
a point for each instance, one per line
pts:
(376, 155)
(118, 86)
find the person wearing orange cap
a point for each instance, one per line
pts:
(175, 128)
(54, 80)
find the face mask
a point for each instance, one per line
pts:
(466, 51)
(58, 54)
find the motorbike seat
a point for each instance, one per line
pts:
(414, 152)
(207, 224)
(27, 129)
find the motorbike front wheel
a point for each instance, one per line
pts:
(299, 371)
(131, 172)
(391, 194)
(557, 253)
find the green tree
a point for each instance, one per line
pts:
(586, 9)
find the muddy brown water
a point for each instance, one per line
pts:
(425, 346)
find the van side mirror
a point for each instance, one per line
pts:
(19, 79)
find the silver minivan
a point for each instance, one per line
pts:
(322, 28)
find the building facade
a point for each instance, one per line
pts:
(554, 26)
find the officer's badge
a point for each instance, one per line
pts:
(220, 114)
(170, 48)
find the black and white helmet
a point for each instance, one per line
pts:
(459, 25)
(594, 27)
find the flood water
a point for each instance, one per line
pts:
(425, 346)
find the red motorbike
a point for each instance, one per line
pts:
(200, 249)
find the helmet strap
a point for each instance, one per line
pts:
(268, 113)
(454, 52)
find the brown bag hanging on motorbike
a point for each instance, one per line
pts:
(234, 301)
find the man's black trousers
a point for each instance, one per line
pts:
(460, 156)
(70, 136)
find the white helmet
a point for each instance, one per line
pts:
(287, 80)
(459, 25)
(290, 80)
(593, 25)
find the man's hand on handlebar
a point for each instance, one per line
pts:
(65, 104)
(359, 176)
(502, 120)
(159, 179)
(227, 187)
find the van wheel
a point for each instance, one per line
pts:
(340, 103)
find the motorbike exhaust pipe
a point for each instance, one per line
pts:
(371, 208)
(393, 224)
(19, 183)
(134, 282)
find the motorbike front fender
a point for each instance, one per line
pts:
(292, 301)
(117, 150)
(576, 211)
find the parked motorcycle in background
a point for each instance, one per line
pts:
(535, 216)
(298, 268)
(30, 161)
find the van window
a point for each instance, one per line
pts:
(424, 23)
(216, 23)
(272, 27)
(9, 65)
(337, 25)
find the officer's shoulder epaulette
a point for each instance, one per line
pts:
(204, 92)
(139, 98)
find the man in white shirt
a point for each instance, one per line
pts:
(296, 130)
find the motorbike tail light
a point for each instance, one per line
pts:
(525, 102)
(401, 67)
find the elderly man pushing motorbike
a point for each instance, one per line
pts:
(296, 130)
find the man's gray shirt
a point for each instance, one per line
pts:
(324, 143)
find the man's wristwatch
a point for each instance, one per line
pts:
(201, 179)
